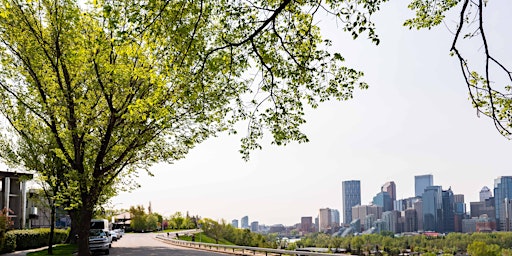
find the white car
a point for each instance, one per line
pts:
(113, 235)
(120, 232)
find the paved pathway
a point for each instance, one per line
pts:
(136, 244)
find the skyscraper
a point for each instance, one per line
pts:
(324, 219)
(502, 197)
(383, 199)
(335, 217)
(421, 182)
(351, 196)
(234, 223)
(485, 193)
(447, 216)
(432, 204)
(244, 222)
(390, 187)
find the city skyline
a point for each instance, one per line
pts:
(414, 119)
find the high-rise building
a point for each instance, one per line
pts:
(351, 196)
(485, 193)
(369, 220)
(234, 223)
(306, 224)
(432, 204)
(255, 226)
(324, 219)
(418, 206)
(421, 182)
(502, 197)
(361, 211)
(448, 214)
(383, 199)
(487, 207)
(392, 220)
(410, 220)
(390, 187)
(244, 222)
(335, 218)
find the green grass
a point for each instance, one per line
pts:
(200, 237)
(61, 249)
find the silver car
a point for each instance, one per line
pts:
(99, 240)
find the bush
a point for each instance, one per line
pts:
(35, 238)
(9, 243)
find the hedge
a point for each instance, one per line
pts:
(33, 238)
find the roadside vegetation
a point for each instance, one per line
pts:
(476, 244)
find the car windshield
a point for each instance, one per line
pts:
(96, 232)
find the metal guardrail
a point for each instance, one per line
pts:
(238, 250)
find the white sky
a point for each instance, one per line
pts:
(414, 119)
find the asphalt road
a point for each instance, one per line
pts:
(137, 244)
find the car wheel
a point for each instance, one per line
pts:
(107, 252)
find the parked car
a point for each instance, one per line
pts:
(120, 232)
(113, 235)
(99, 240)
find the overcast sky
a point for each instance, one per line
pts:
(414, 119)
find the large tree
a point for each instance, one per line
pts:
(115, 86)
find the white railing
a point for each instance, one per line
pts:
(238, 250)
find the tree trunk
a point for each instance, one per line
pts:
(83, 227)
(72, 237)
(52, 229)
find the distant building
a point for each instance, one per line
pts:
(245, 222)
(459, 212)
(410, 220)
(361, 211)
(277, 228)
(369, 220)
(486, 207)
(351, 196)
(478, 224)
(485, 193)
(469, 225)
(418, 206)
(392, 220)
(325, 220)
(234, 223)
(306, 225)
(384, 200)
(502, 197)
(335, 218)
(255, 226)
(432, 203)
(406, 203)
(421, 182)
(390, 187)
(485, 224)
(447, 212)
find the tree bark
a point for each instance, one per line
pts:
(72, 237)
(83, 227)
(52, 229)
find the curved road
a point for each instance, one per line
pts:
(136, 244)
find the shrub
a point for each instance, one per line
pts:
(35, 238)
(9, 243)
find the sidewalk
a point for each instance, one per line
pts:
(23, 253)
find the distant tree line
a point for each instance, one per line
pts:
(476, 244)
(142, 221)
